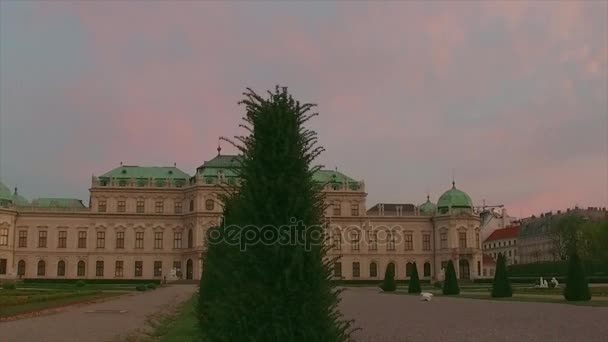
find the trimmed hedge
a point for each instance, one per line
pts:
(25, 299)
(344, 282)
(90, 281)
(555, 269)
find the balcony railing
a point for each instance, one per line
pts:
(51, 210)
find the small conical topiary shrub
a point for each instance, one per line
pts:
(577, 288)
(414, 286)
(388, 284)
(501, 286)
(450, 285)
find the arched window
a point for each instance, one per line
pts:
(41, 268)
(80, 269)
(373, 270)
(190, 242)
(209, 204)
(427, 269)
(356, 270)
(21, 268)
(61, 268)
(409, 269)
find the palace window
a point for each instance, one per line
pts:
(354, 209)
(444, 264)
(356, 270)
(139, 266)
(444, 240)
(177, 240)
(427, 269)
(23, 238)
(42, 239)
(190, 239)
(159, 207)
(355, 241)
(61, 268)
(337, 240)
(21, 268)
(409, 242)
(178, 207)
(139, 240)
(338, 270)
(477, 244)
(62, 241)
(101, 239)
(99, 268)
(462, 239)
(140, 206)
(177, 265)
(158, 240)
(337, 210)
(426, 242)
(209, 205)
(120, 239)
(80, 269)
(41, 268)
(119, 269)
(4, 237)
(191, 205)
(2, 266)
(158, 268)
(102, 206)
(373, 270)
(82, 239)
(391, 241)
(373, 240)
(479, 268)
(122, 206)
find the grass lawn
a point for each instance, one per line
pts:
(6, 311)
(177, 324)
(517, 297)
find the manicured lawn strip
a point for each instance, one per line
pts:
(37, 306)
(181, 326)
(602, 302)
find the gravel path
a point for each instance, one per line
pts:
(79, 324)
(397, 318)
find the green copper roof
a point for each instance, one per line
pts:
(5, 193)
(330, 176)
(57, 203)
(428, 208)
(154, 172)
(454, 198)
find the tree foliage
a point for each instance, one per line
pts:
(450, 284)
(414, 286)
(501, 286)
(389, 284)
(261, 286)
(577, 287)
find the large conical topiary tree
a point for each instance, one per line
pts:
(266, 276)
(414, 286)
(577, 287)
(389, 284)
(450, 284)
(501, 286)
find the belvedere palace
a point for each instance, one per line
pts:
(151, 222)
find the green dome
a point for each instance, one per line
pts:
(454, 198)
(428, 208)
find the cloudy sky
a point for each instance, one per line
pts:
(512, 96)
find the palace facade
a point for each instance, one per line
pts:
(150, 223)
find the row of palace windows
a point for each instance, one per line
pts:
(500, 244)
(159, 206)
(373, 269)
(336, 208)
(62, 238)
(408, 241)
(99, 268)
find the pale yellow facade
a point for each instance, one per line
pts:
(150, 230)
